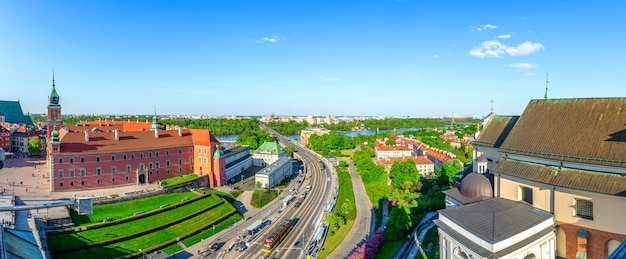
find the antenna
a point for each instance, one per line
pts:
(546, 95)
(491, 105)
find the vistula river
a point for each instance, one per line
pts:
(367, 132)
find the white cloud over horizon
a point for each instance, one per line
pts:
(495, 49)
(523, 66)
(504, 36)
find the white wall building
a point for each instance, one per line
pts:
(274, 173)
(268, 153)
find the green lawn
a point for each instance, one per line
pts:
(261, 198)
(209, 232)
(388, 249)
(128, 208)
(82, 238)
(153, 239)
(170, 250)
(346, 206)
(178, 179)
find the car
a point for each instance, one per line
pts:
(292, 189)
(214, 247)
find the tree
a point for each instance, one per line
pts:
(390, 142)
(404, 173)
(34, 146)
(447, 171)
(290, 151)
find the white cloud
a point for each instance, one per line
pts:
(504, 36)
(522, 66)
(435, 56)
(266, 39)
(495, 49)
(330, 79)
(484, 27)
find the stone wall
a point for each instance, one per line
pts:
(201, 181)
(597, 241)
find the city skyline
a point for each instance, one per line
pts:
(370, 58)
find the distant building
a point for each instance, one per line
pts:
(274, 173)
(305, 134)
(268, 153)
(237, 160)
(5, 138)
(424, 166)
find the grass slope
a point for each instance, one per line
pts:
(346, 205)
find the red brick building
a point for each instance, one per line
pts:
(103, 154)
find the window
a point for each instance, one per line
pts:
(72, 172)
(584, 209)
(128, 168)
(71, 160)
(124, 156)
(60, 173)
(204, 150)
(158, 164)
(167, 163)
(97, 158)
(527, 195)
(530, 256)
(199, 159)
(157, 153)
(113, 179)
(71, 183)
(113, 158)
(149, 154)
(180, 169)
(157, 171)
(167, 152)
(82, 159)
(168, 171)
(132, 156)
(459, 254)
(60, 160)
(82, 182)
(98, 171)
(61, 184)
(150, 165)
(199, 151)
(141, 155)
(113, 169)
(142, 167)
(180, 161)
(180, 151)
(206, 161)
(127, 178)
(83, 172)
(98, 181)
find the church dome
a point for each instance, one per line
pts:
(55, 133)
(218, 153)
(475, 185)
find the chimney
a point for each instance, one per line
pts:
(117, 134)
(180, 132)
(156, 133)
(86, 136)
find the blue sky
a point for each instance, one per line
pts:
(395, 58)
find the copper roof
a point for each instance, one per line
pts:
(475, 185)
(104, 142)
(588, 130)
(598, 182)
(496, 131)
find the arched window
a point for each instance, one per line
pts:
(459, 254)
(530, 256)
(611, 246)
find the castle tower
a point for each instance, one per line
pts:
(54, 111)
(219, 168)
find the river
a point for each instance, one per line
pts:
(367, 132)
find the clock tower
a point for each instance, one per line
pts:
(54, 111)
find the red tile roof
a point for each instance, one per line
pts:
(104, 142)
(203, 137)
(419, 160)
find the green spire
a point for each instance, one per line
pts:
(54, 97)
(155, 121)
(547, 95)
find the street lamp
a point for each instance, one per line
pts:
(213, 229)
(143, 254)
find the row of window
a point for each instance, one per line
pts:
(82, 182)
(124, 156)
(83, 171)
(204, 160)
